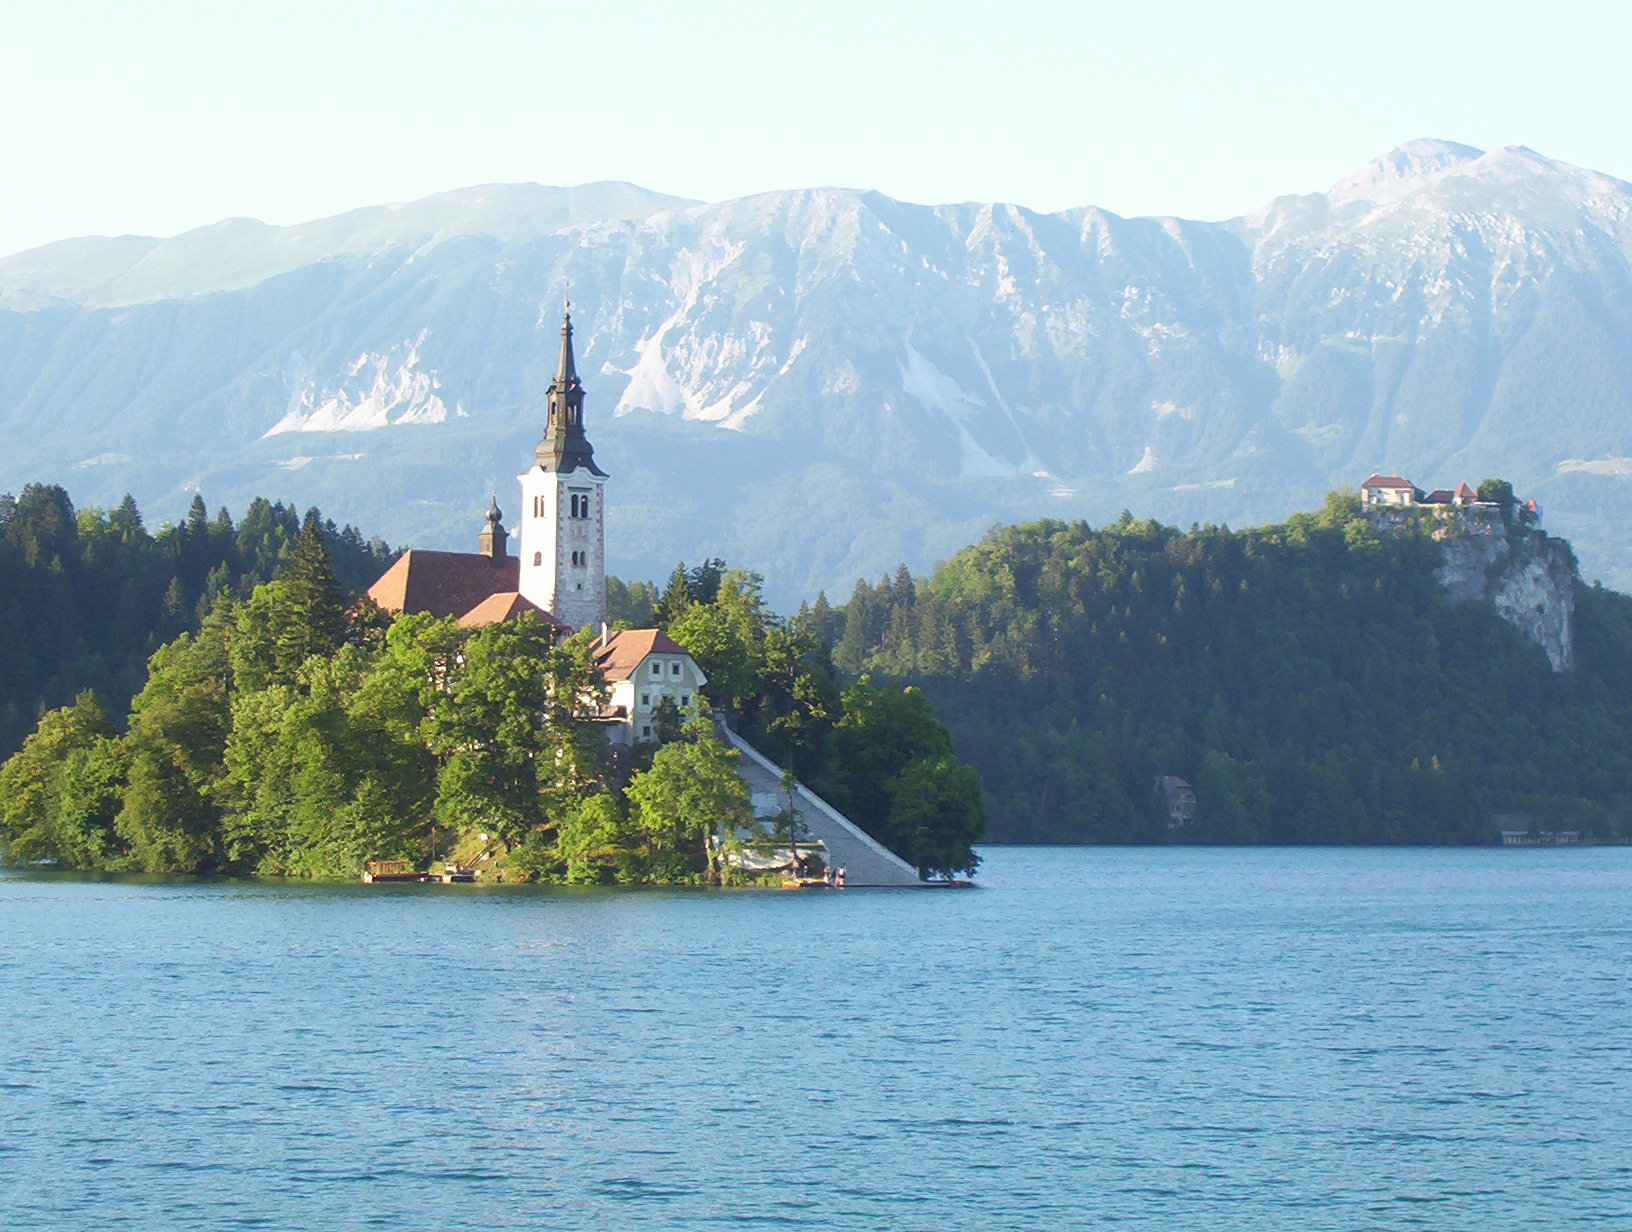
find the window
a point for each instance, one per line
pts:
(645, 700)
(657, 668)
(646, 732)
(685, 699)
(538, 558)
(674, 668)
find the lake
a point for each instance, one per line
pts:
(1167, 1039)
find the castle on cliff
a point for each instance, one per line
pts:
(1396, 492)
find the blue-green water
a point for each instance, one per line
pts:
(1142, 1039)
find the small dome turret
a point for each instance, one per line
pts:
(493, 537)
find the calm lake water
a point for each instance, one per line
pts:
(1104, 1038)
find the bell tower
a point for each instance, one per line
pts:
(562, 537)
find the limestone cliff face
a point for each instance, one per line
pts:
(1527, 577)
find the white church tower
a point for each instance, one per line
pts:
(563, 507)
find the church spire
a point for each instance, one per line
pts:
(565, 447)
(566, 372)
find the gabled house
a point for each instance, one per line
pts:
(1389, 490)
(1176, 798)
(642, 667)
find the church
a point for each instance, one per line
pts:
(558, 573)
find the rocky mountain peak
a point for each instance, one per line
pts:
(1401, 171)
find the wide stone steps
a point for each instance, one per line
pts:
(866, 862)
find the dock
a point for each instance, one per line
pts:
(401, 870)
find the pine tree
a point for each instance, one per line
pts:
(314, 602)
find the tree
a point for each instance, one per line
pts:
(178, 733)
(316, 784)
(882, 731)
(692, 799)
(315, 600)
(513, 736)
(590, 837)
(935, 816)
(58, 795)
(1498, 491)
(41, 526)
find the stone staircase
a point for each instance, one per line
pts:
(866, 862)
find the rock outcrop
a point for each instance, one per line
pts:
(1526, 576)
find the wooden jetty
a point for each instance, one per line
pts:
(401, 870)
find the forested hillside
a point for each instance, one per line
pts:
(86, 596)
(1311, 680)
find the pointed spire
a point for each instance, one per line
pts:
(566, 372)
(565, 447)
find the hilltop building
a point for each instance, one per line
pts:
(559, 575)
(1396, 492)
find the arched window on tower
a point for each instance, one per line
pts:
(538, 558)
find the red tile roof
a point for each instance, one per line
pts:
(625, 650)
(443, 583)
(1439, 496)
(1464, 492)
(507, 605)
(1388, 481)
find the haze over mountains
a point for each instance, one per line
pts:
(821, 383)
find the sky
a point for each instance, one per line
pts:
(163, 115)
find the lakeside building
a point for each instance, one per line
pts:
(559, 575)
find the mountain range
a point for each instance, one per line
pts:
(822, 383)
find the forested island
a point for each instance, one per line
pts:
(297, 730)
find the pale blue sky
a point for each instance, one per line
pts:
(156, 117)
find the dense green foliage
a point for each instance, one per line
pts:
(1311, 679)
(878, 754)
(297, 733)
(86, 596)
